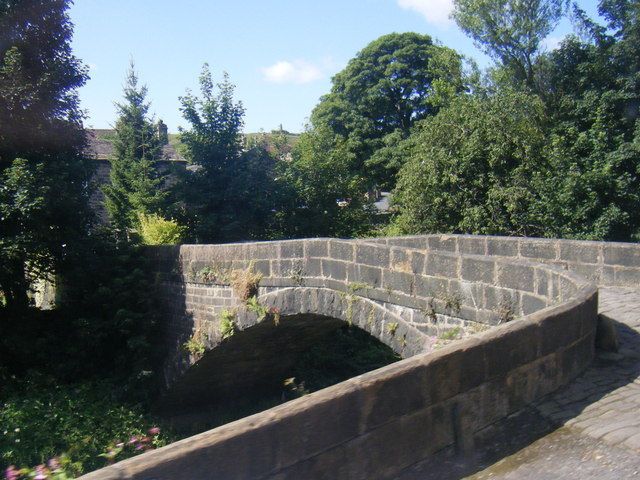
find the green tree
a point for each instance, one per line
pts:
(320, 194)
(229, 195)
(510, 31)
(43, 176)
(391, 84)
(593, 99)
(474, 168)
(135, 183)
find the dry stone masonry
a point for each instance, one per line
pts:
(527, 310)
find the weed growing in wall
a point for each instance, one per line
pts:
(227, 323)
(392, 327)
(245, 282)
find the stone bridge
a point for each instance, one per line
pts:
(527, 307)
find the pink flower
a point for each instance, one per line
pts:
(53, 463)
(11, 473)
(42, 473)
(154, 431)
(133, 440)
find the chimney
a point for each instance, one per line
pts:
(163, 133)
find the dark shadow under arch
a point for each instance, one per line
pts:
(245, 373)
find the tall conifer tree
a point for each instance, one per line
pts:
(136, 185)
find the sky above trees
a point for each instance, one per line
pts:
(280, 54)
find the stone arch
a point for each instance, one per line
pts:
(371, 316)
(261, 353)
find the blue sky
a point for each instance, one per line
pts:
(280, 54)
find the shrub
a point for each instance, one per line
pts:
(72, 428)
(155, 230)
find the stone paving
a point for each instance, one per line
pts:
(589, 429)
(604, 402)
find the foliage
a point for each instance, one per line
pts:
(231, 194)
(393, 82)
(451, 334)
(593, 97)
(510, 31)
(256, 307)
(78, 424)
(227, 323)
(392, 327)
(43, 176)
(111, 306)
(323, 195)
(472, 168)
(135, 184)
(155, 230)
(195, 345)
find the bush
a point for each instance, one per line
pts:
(81, 427)
(155, 230)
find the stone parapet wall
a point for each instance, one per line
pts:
(379, 424)
(605, 263)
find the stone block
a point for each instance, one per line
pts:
(628, 277)
(400, 259)
(478, 269)
(427, 286)
(263, 267)
(341, 250)
(292, 249)
(541, 282)
(373, 255)
(580, 252)
(262, 250)
(334, 269)
(370, 275)
(417, 262)
(559, 329)
(316, 248)
(313, 267)
(406, 440)
(446, 243)
(394, 391)
(623, 255)
(510, 346)
(502, 246)
(518, 277)
(538, 249)
(472, 245)
(398, 281)
(530, 304)
(441, 265)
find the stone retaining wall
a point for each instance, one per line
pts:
(380, 423)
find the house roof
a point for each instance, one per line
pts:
(101, 147)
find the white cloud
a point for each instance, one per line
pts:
(296, 71)
(435, 12)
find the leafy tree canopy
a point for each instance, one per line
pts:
(392, 83)
(473, 167)
(43, 176)
(230, 194)
(510, 31)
